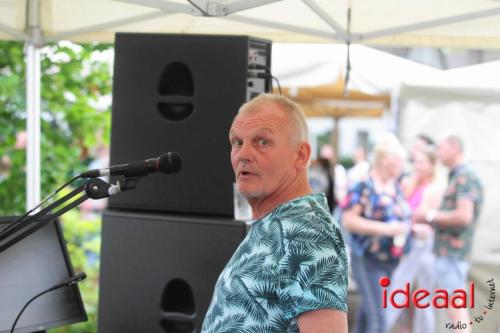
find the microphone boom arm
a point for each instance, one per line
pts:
(93, 188)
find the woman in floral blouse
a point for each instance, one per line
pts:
(378, 219)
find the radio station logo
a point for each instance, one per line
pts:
(439, 299)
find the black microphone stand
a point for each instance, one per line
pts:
(93, 188)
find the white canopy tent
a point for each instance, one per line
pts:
(443, 23)
(372, 71)
(315, 67)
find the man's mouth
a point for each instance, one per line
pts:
(245, 174)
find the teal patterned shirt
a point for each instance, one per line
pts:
(292, 260)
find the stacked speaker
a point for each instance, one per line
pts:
(165, 242)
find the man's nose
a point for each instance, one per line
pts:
(245, 152)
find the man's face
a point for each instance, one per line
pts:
(446, 152)
(261, 153)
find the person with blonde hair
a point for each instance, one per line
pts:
(423, 190)
(377, 218)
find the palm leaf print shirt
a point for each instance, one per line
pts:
(457, 241)
(292, 260)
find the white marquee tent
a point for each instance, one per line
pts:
(443, 23)
(372, 71)
(314, 67)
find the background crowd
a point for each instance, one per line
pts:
(407, 214)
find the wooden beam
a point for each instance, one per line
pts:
(316, 111)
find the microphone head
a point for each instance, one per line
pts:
(170, 163)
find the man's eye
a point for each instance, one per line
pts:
(236, 142)
(264, 142)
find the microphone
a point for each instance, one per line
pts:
(166, 163)
(66, 283)
(70, 281)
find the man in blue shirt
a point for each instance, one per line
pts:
(290, 272)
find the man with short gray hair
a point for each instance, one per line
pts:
(290, 272)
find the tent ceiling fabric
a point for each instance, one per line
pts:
(443, 23)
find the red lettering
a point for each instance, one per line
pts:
(406, 293)
(444, 297)
(472, 297)
(401, 298)
(416, 298)
(384, 282)
(461, 296)
(384, 298)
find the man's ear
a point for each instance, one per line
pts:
(303, 154)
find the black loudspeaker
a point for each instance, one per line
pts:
(158, 272)
(180, 93)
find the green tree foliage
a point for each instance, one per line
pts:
(74, 84)
(75, 119)
(84, 243)
(12, 121)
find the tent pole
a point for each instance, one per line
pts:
(104, 26)
(323, 15)
(13, 32)
(33, 96)
(282, 26)
(427, 24)
(335, 136)
(33, 169)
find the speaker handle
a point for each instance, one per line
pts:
(178, 316)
